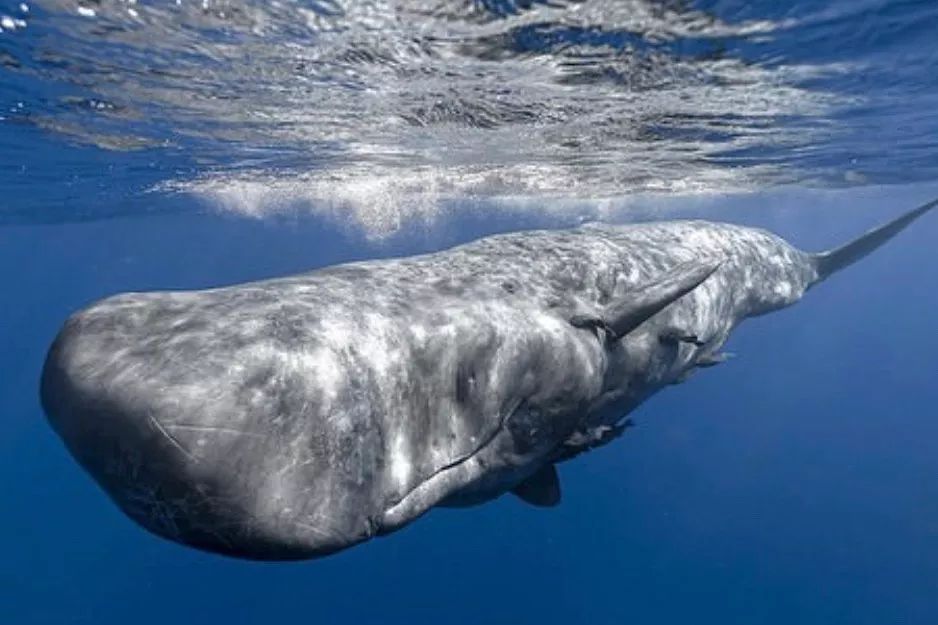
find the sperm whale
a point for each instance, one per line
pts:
(295, 417)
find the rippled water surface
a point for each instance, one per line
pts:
(384, 111)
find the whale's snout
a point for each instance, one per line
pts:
(152, 441)
(119, 441)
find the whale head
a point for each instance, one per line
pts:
(140, 388)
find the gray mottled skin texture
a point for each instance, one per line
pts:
(294, 417)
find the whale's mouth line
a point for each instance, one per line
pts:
(401, 504)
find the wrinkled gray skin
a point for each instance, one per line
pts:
(295, 417)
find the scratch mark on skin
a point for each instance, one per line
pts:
(215, 534)
(316, 530)
(212, 428)
(145, 502)
(172, 439)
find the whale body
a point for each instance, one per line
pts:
(294, 417)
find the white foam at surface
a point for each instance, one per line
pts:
(381, 204)
(397, 106)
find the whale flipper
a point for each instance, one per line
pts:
(636, 307)
(541, 489)
(675, 336)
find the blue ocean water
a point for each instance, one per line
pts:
(152, 145)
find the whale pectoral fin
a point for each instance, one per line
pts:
(673, 336)
(541, 489)
(638, 306)
(582, 441)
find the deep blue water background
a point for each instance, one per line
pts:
(796, 483)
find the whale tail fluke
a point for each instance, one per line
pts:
(836, 259)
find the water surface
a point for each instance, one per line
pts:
(384, 110)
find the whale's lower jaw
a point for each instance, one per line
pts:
(162, 497)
